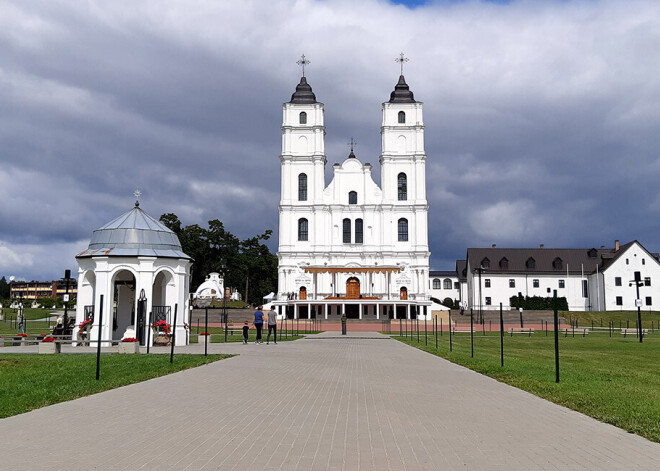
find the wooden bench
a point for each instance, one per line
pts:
(633, 331)
(575, 330)
(520, 330)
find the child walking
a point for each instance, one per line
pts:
(246, 327)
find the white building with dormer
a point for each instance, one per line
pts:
(353, 247)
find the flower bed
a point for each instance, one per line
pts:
(48, 339)
(129, 345)
(130, 339)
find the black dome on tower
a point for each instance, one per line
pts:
(402, 93)
(303, 94)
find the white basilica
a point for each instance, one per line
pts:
(353, 247)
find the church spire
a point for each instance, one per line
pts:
(303, 94)
(402, 93)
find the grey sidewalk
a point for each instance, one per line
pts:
(363, 402)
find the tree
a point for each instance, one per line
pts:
(4, 288)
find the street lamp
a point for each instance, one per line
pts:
(67, 276)
(638, 301)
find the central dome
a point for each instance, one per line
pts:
(134, 233)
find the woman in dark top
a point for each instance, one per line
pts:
(259, 323)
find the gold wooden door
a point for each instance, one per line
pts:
(353, 288)
(404, 294)
(303, 293)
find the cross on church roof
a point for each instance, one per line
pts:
(352, 143)
(137, 194)
(401, 59)
(303, 62)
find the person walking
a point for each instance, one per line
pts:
(272, 325)
(259, 323)
(20, 319)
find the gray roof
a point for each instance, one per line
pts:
(134, 233)
(303, 94)
(438, 273)
(461, 269)
(402, 93)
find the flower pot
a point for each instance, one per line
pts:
(49, 348)
(200, 339)
(129, 347)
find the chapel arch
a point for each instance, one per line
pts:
(123, 302)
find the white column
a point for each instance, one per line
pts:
(309, 311)
(326, 311)
(334, 284)
(315, 289)
(343, 309)
(408, 310)
(295, 311)
(360, 310)
(377, 311)
(389, 291)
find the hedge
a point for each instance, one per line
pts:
(538, 303)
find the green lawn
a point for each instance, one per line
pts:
(614, 380)
(217, 335)
(584, 319)
(32, 381)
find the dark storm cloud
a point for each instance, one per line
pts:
(541, 121)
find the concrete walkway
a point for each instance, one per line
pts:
(325, 402)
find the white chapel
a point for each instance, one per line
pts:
(353, 247)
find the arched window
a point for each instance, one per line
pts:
(446, 284)
(530, 263)
(302, 118)
(302, 187)
(436, 283)
(504, 263)
(485, 263)
(557, 263)
(403, 230)
(352, 197)
(402, 186)
(358, 231)
(303, 229)
(402, 117)
(347, 231)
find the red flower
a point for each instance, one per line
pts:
(48, 339)
(21, 335)
(130, 339)
(205, 333)
(84, 324)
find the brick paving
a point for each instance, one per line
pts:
(322, 403)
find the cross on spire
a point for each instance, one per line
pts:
(137, 194)
(352, 144)
(303, 62)
(401, 59)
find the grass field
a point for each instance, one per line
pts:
(614, 380)
(32, 381)
(584, 319)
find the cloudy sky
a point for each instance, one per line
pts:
(542, 121)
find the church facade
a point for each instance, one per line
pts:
(353, 247)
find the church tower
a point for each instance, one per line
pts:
(303, 167)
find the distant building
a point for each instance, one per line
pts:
(590, 279)
(33, 290)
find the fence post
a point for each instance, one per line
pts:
(501, 337)
(173, 333)
(98, 343)
(471, 335)
(556, 318)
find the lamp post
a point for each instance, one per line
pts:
(638, 301)
(480, 270)
(65, 323)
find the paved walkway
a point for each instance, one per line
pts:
(325, 402)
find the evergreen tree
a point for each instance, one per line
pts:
(4, 288)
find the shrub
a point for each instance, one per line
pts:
(538, 303)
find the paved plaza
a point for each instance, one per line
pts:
(325, 402)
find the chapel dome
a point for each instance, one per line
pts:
(303, 94)
(402, 93)
(134, 233)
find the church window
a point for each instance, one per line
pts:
(402, 117)
(557, 263)
(303, 229)
(530, 263)
(402, 184)
(302, 187)
(347, 231)
(436, 283)
(302, 118)
(403, 230)
(352, 197)
(446, 283)
(358, 231)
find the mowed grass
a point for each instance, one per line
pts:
(29, 382)
(619, 318)
(614, 380)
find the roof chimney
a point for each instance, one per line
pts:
(542, 246)
(494, 245)
(616, 245)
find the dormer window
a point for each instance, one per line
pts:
(504, 263)
(593, 253)
(402, 117)
(530, 263)
(485, 263)
(352, 197)
(557, 263)
(302, 118)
